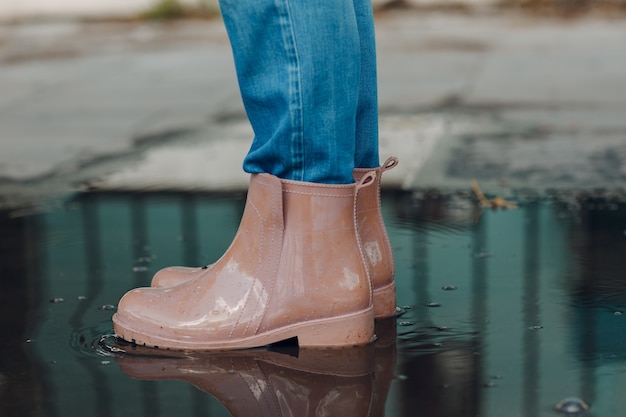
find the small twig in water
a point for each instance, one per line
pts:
(495, 203)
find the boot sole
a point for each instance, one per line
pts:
(354, 329)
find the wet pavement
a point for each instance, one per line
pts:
(502, 312)
(502, 98)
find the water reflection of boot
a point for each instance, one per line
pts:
(262, 383)
(373, 235)
(385, 355)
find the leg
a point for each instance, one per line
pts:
(366, 151)
(299, 70)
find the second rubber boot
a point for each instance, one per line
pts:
(295, 269)
(376, 246)
(372, 232)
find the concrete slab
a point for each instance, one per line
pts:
(104, 103)
(505, 156)
(61, 112)
(211, 159)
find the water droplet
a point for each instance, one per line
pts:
(81, 298)
(443, 328)
(433, 304)
(407, 307)
(57, 300)
(29, 340)
(402, 377)
(449, 288)
(105, 362)
(571, 405)
(106, 307)
(405, 323)
(140, 268)
(535, 327)
(618, 313)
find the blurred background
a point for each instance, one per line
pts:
(99, 95)
(20, 9)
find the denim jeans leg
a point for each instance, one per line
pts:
(300, 74)
(366, 151)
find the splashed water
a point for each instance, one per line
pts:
(96, 341)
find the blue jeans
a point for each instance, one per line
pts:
(307, 75)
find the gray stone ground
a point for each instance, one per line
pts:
(512, 101)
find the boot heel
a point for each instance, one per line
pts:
(385, 301)
(354, 329)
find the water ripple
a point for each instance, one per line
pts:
(100, 341)
(96, 341)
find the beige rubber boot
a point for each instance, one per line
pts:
(373, 235)
(261, 383)
(295, 269)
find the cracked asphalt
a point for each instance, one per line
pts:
(513, 101)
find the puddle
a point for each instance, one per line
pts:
(508, 312)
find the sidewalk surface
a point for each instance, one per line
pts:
(506, 99)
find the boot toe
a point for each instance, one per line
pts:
(174, 275)
(139, 314)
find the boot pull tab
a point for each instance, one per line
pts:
(367, 180)
(391, 162)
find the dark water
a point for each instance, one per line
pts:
(504, 313)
